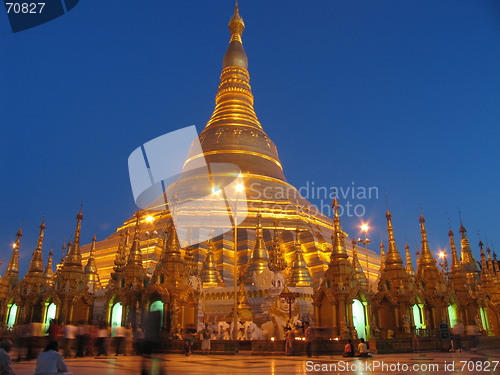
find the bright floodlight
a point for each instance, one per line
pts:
(364, 227)
(442, 254)
(240, 187)
(150, 219)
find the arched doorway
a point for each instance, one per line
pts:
(116, 317)
(50, 314)
(358, 317)
(453, 314)
(11, 317)
(418, 319)
(157, 306)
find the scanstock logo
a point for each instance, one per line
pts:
(27, 14)
(170, 172)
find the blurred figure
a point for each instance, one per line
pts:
(50, 361)
(289, 339)
(55, 330)
(457, 331)
(119, 339)
(189, 339)
(82, 336)
(139, 340)
(102, 338)
(69, 336)
(92, 339)
(5, 362)
(309, 338)
(472, 332)
(129, 338)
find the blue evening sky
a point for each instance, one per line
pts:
(399, 95)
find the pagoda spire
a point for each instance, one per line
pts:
(299, 275)
(426, 258)
(260, 257)
(490, 261)
(338, 250)
(13, 266)
(236, 25)
(358, 270)
(135, 255)
(276, 261)
(233, 129)
(409, 265)
(74, 257)
(36, 264)
(455, 262)
(210, 276)
(11, 278)
(173, 247)
(63, 255)
(49, 271)
(393, 258)
(468, 261)
(382, 256)
(91, 268)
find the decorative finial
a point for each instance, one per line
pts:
(236, 25)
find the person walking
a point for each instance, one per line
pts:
(102, 338)
(50, 361)
(309, 338)
(289, 339)
(5, 361)
(189, 339)
(121, 332)
(69, 335)
(457, 331)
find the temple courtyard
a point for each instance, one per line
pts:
(482, 362)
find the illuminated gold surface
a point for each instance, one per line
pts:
(259, 260)
(209, 274)
(234, 135)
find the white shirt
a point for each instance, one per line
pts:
(49, 363)
(362, 348)
(121, 331)
(69, 331)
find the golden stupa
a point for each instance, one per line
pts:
(234, 136)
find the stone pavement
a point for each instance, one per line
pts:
(464, 363)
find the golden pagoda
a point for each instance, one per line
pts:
(209, 274)
(431, 284)
(396, 292)
(33, 288)
(489, 286)
(70, 292)
(10, 281)
(234, 137)
(334, 299)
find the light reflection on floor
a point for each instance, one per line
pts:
(246, 364)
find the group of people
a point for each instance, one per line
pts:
(94, 340)
(458, 331)
(49, 362)
(205, 336)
